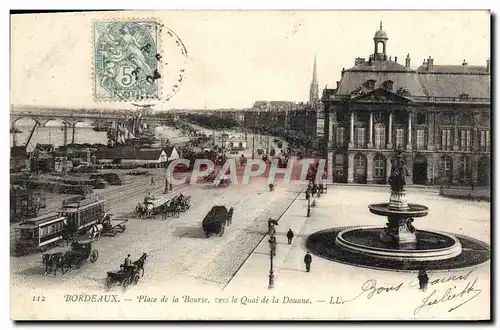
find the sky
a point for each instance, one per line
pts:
(238, 57)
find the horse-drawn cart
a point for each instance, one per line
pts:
(126, 276)
(112, 227)
(151, 206)
(123, 277)
(215, 221)
(81, 250)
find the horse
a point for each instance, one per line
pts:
(144, 210)
(139, 210)
(173, 208)
(53, 261)
(94, 231)
(139, 264)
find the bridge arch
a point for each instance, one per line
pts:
(16, 119)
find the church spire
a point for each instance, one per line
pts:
(314, 89)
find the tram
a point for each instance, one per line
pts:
(81, 212)
(75, 217)
(38, 233)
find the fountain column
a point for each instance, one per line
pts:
(398, 224)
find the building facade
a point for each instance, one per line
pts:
(439, 115)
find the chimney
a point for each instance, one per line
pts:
(359, 60)
(488, 65)
(343, 70)
(396, 59)
(338, 83)
(407, 61)
(464, 63)
(430, 64)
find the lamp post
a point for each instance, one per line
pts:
(309, 207)
(272, 250)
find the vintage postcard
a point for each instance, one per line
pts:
(250, 165)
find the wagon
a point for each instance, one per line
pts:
(122, 277)
(113, 227)
(215, 221)
(81, 250)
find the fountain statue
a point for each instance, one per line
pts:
(399, 226)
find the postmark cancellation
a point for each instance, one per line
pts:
(126, 60)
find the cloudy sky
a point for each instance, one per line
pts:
(236, 58)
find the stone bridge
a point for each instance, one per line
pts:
(71, 117)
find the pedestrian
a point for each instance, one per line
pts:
(307, 261)
(152, 180)
(423, 279)
(171, 187)
(289, 235)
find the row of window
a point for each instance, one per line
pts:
(465, 141)
(82, 217)
(379, 165)
(51, 229)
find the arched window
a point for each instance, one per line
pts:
(379, 136)
(464, 167)
(379, 166)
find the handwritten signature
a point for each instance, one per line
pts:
(450, 294)
(370, 288)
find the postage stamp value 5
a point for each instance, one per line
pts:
(126, 63)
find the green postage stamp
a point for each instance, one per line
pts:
(126, 60)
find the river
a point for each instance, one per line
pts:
(52, 134)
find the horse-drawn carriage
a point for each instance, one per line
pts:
(215, 221)
(81, 251)
(222, 183)
(152, 205)
(124, 276)
(209, 177)
(111, 227)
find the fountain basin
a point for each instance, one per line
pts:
(413, 210)
(430, 246)
(323, 244)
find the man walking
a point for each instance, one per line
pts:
(289, 235)
(423, 280)
(152, 180)
(307, 261)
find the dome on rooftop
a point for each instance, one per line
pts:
(380, 34)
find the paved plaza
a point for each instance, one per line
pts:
(182, 261)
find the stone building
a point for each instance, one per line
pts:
(439, 115)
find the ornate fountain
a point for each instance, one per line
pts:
(399, 240)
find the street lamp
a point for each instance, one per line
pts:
(272, 252)
(309, 207)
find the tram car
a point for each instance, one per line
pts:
(38, 234)
(82, 212)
